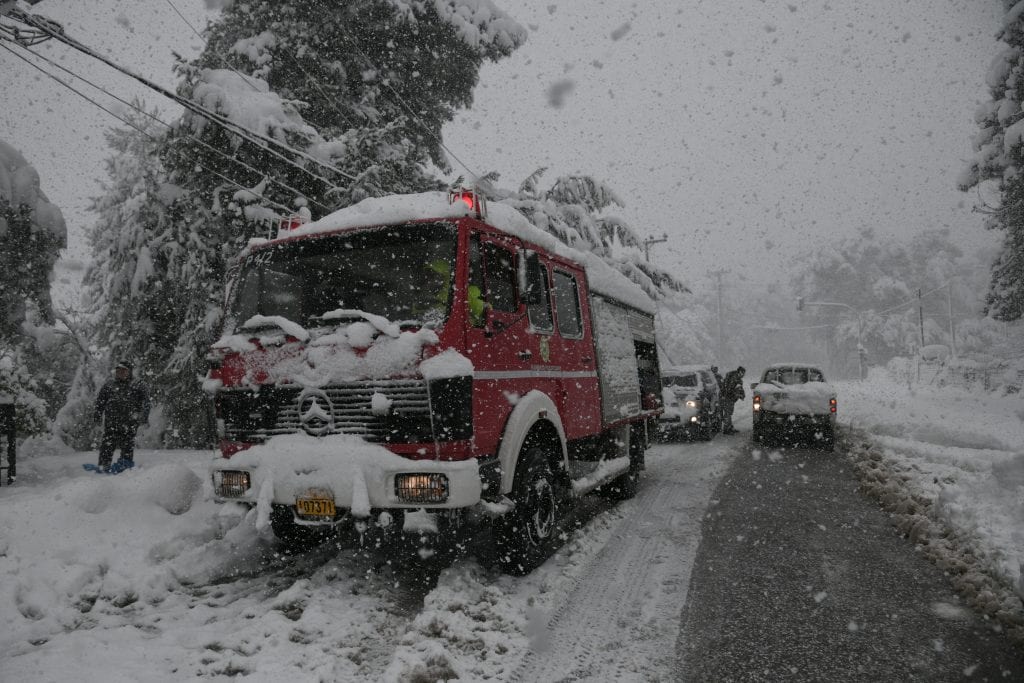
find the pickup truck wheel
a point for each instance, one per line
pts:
(296, 537)
(828, 439)
(524, 535)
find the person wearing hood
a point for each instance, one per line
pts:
(732, 391)
(122, 405)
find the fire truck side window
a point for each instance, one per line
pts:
(567, 306)
(475, 288)
(499, 265)
(540, 312)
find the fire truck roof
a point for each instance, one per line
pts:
(394, 209)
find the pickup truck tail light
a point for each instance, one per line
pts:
(832, 405)
(757, 404)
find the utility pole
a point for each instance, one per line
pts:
(949, 312)
(652, 240)
(920, 315)
(721, 337)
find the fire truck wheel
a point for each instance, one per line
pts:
(524, 535)
(294, 536)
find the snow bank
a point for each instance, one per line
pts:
(949, 465)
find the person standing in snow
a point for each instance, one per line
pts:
(122, 405)
(8, 431)
(732, 391)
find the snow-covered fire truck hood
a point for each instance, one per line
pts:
(403, 208)
(372, 348)
(811, 398)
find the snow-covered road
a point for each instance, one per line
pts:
(142, 577)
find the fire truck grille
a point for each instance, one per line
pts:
(380, 411)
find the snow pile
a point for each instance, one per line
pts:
(82, 552)
(470, 629)
(356, 351)
(948, 464)
(248, 102)
(19, 185)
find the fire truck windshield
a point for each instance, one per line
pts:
(403, 273)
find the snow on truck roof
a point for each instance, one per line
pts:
(402, 208)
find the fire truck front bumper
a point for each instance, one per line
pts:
(321, 477)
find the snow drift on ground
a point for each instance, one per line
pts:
(948, 463)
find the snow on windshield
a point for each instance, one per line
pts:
(401, 273)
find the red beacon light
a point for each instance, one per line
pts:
(286, 224)
(470, 198)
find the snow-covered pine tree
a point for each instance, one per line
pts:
(362, 87)
(999, 156)
(32, 233)
(573, 210)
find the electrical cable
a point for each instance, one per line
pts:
(309, 77)
(140, 130)
(222, 59)
(231, 126)
(192, 137)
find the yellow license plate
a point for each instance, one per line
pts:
(315, 507)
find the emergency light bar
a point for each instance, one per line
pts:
(471, 199)
(288, 223)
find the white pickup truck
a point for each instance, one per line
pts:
(794, 398)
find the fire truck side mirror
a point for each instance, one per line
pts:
(530, 277)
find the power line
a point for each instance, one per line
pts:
(222, 59)
(192, 137)
(213, 117)
(309, 77)
(140, 130)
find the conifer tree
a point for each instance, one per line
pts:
(32, 233)
(999, 157)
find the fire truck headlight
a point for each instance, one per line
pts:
(231, 483)
(421, 488)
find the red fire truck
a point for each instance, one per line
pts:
(429, 357)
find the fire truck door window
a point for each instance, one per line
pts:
(475, 287)
(540, 312)
(567, 306)
(499, 265)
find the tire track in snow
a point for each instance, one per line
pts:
(620, 618)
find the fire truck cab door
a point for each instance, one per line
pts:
(509, 356)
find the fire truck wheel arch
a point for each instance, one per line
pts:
(532, 408)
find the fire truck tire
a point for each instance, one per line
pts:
(294, 536)
(524, 535)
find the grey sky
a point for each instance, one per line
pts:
(744, 129)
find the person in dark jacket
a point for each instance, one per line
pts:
(122, 405)
(732, 391)
(8, 431)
